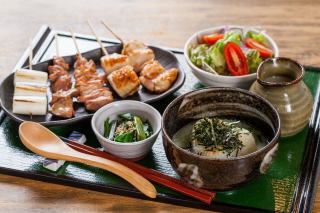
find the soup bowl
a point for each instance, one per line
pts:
(220, 173)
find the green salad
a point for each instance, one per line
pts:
(127, 128)
(231, 53)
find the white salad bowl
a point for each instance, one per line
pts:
(133, 150)
(210, 79)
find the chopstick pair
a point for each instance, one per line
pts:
(157, 177)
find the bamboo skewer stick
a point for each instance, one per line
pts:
(104, 50)
(30, 54)
(112, 32)
(57, 44)
(75, 42)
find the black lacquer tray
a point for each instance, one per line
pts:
(288, 186)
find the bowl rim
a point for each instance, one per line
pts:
(142, 105)
(271, 144)
(201, 71)
(279, 84)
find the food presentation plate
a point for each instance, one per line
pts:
(166, 58)
(288, 186)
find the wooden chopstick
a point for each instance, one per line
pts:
(162, 179)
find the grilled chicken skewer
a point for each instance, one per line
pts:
(110, 62)
(121, 75)
(89, 83)
(153, 75)
(61, 102)
(137, 52)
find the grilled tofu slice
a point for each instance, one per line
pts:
(124, 81)
(113, 62)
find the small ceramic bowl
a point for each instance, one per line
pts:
(209, 79)
(219, 173)
(135, 150)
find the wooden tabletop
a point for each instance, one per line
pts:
(293, 24)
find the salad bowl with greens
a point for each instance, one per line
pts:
(228, 56)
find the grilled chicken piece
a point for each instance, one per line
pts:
(113, 62)
(69, 93)
(62, 83)
(138, 54)
(62, 104)
(91, 85)
(97, 103)
(151, 69)
(124, 81)
(59, 75)
(83, 67)
(59, 61)
(91, 76)
(56, 71)
(94, 94)
(155, 78)
(87, 89)
(63, 108)
(90, 82)
(97, 98)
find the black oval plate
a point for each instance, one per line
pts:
(166, 58)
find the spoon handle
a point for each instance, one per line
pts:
(126, 173)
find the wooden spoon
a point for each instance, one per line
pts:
(42, 141)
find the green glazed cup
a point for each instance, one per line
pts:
(279, 80)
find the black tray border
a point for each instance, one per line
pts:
(305, 190)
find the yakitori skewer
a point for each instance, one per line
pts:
(153, 75)
(137, 51)
(89, 83)
(61, 84)
(109, 62)
(30, 90)
(121, 76)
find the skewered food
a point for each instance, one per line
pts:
(91, 85)
(124, 81)
(138, 54)
(30, 92)
(24, 75)
(155, 78)
(29, 105)
(62, 104)
(109, 62)
(59, 75)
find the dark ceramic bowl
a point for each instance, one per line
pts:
(213, 173)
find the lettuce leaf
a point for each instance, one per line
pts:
(199, 54)
(217, 61)
(253, 60)
(258, 37)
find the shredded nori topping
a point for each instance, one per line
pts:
(216, 134)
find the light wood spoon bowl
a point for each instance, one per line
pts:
(42, 141)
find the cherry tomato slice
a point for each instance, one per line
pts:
(263, 49)
(235, 59)
(212, 38)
